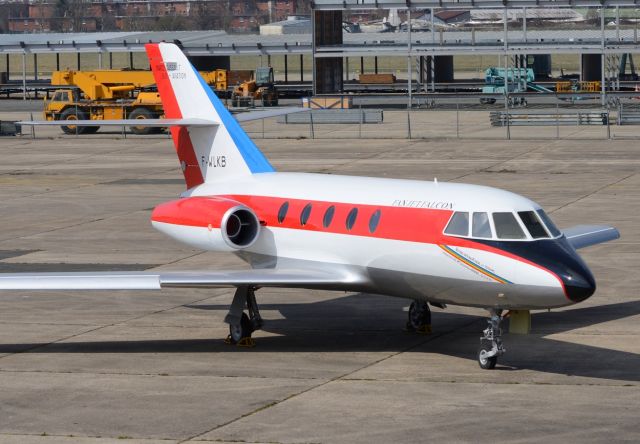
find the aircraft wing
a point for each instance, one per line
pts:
(257, 115)
(582, 236)
(158, 123)
(272, 277)
(162, 123)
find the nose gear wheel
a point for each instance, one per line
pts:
(491, 342)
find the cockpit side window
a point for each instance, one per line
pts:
(531, 221)
(459, 224)
(481, 226)
(547, 221)
(507, 227)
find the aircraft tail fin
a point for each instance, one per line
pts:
(206, 153)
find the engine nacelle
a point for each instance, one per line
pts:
(210, 223)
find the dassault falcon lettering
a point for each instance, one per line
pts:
(422, 204)
(331, 232)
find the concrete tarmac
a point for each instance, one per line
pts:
(152, 367)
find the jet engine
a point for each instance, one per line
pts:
(210, 223)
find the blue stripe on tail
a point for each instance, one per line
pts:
(255, 160)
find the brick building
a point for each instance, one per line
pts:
(124, 15)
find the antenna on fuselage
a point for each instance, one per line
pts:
(435, 180)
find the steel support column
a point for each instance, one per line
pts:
(286, 70)
(24, 75)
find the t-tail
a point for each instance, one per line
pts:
(206, 153)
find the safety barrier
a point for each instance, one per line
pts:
(501, 118)
(335, 116)
(629, 116)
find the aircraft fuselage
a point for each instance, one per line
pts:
(394, 236)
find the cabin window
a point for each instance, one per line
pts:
(533, 224)
(374, 221)
(507, 227)
(304, 216)
(351, 218)
(459, 224)
(550, 225)
(481, 226)
(328, 216)
(282, 213)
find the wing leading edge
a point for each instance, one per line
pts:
(582, 236)
(286, 278)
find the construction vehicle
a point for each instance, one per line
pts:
(116, 94)
(576, 86)
(260, 88)
(519, 80)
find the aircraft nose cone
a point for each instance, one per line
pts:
(579, 283)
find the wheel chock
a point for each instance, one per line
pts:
(520, 322)
(246, 342)
(424, 329)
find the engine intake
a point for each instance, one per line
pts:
(211, 223)
(240, 227)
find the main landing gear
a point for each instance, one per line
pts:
(491, 341)
(241, 324)
(419, 317)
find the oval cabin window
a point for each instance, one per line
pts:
(374, 221)
(304, 216)
(351, 218)
(282, 213)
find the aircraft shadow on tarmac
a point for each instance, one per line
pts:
(370, 323)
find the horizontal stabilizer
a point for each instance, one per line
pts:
(286, 278)
(257, 115)
(582, 236)
(156, 123)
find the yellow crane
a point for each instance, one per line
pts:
(116, 94)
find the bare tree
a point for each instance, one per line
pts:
(72, 10)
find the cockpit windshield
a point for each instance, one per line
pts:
(504, 225)
(553, 230)
(533, 224)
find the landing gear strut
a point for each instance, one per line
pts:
(419, 317)
(491, 342)
(241, 324)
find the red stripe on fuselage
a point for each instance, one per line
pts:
(181, 140)
(423, 225)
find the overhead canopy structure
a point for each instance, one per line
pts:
(442, 42)
(335, 5)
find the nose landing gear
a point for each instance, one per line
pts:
(491, 342)
(242, 325)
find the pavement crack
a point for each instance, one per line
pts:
(344, 376)
(593, 192)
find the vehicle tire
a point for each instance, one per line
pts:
(418, 316)
(242, 330)
(74, 114)
(486, 363)
(141, 113)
